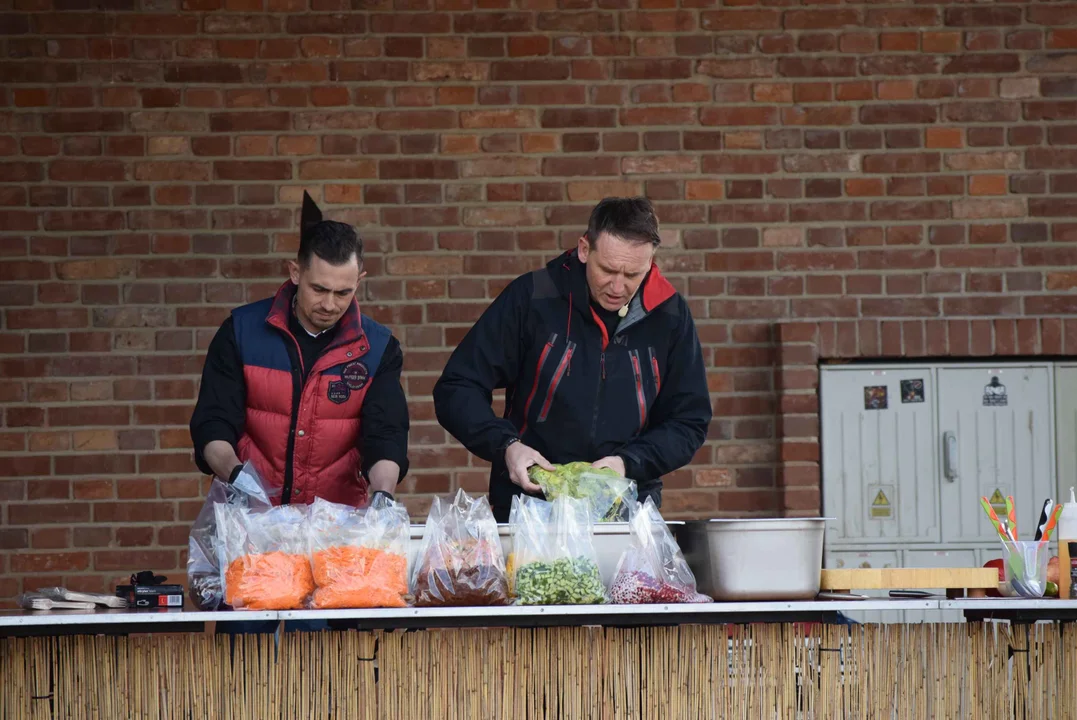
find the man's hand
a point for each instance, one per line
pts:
(613, 462)
(518, 458)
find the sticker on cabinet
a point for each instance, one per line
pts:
(995, 394)
(912, 391)
(875, 397)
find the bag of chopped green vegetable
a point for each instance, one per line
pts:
(653, 569)
(610, 495)
(554, 558)
(460, 560)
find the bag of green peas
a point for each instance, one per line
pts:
(554, 560)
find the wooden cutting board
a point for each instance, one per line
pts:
(908, 578)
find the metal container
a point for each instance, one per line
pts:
(764, 559)
(610, 541)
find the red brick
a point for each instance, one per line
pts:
(726, 20)
(49, 562)
(409, 169)
(124, 560)
(50, 538)
(48, 513)
(987, 16)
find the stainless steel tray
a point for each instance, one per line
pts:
(755, 559)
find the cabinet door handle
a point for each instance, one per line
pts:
(949, 455)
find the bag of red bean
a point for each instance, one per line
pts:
(653, 569)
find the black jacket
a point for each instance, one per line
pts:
(572, 393)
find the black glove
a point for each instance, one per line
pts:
(147, 577)
(387, 495)
(234, 474)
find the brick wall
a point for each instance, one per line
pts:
(887, 169)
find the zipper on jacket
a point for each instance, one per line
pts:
(562, 366)
(598, 398)
(538, 373)
(654, 371)
(297, 397)
(641, 399)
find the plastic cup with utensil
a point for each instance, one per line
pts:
(1025, 564)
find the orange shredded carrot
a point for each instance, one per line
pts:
(269, 581)
(359, 577)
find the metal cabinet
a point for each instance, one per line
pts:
(1066, 422)
(879, 474)
(909, 450)
(996, 426)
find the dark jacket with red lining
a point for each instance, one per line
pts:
(573, 393)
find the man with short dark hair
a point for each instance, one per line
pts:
(600, 360)
(303, 385)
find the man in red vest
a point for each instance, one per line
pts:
(303, 385)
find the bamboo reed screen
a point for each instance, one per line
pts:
(924, 671)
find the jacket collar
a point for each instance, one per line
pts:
(567, 271)
(349, 327)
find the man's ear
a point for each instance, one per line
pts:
(583, 249)
(293, 271)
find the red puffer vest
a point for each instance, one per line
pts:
(304, 438)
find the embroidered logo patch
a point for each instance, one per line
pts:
(339, 392)
(355, 375)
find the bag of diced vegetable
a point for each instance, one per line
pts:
(203, 554)
(265, 559)
(610, 495)
(554, 559)
(653, 569)
(359, 556)
(460, 560)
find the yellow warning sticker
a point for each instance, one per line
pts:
(880, 506)
(998, 502)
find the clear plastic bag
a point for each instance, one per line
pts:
(359, 556)
(62, 594)
(203, 555)
(41, 601)
(554, 558)
(460, 561)
(265, 556)
(610, 495)
(653, 568)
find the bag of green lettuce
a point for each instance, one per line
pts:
(610, 495)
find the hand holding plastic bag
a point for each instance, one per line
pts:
(460, 560)
(203, 556)
(554, 558)
(609, 494)
(653, 568)
(265, 556)
(360, 555)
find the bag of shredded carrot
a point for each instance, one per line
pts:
(203, 557)
(264, 557)
(359, 556)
